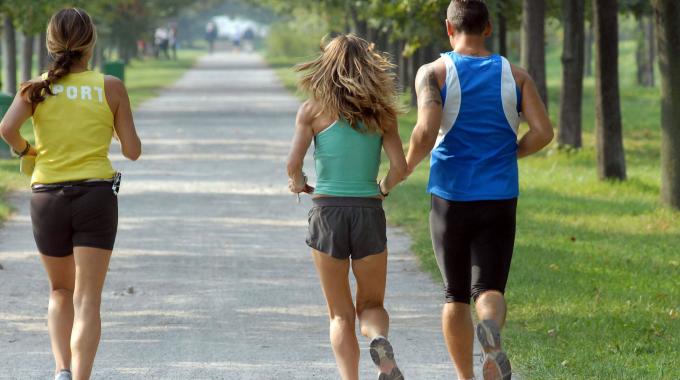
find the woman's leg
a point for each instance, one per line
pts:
(371, 275)
(91, 266)
(61, 272)
(333, 274)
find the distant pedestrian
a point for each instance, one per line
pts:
(351, 116)
(211, 34)
(173, 41)
(74, 205)
(249, 40)
(469, 105)
(161, 42)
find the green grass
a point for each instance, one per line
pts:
(594, 291)
(144, 79)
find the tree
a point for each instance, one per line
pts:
(667, 15)
(9, 55)
(588, 56)
(42, 52)
(645, 54)
(569, 133)
(533, 43)
(27, 58)
(611, 162)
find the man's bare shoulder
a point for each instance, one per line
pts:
(521, 75)
(436, 68)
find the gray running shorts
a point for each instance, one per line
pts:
(345, 227)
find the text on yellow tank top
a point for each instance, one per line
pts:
(73, 131)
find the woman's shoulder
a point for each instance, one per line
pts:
(312, 114)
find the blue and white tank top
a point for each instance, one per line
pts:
(475, 156)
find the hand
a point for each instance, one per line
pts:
(32, 152)
(297, 187)
(383, 189)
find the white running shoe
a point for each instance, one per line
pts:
(496, 365)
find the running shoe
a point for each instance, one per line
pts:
(496, 365)
(64, 374)
(383, 357)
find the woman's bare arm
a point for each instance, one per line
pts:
(119, 102)
(304, 134)
(395, 153)
(20, 111)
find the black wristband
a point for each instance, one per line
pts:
(25, 151)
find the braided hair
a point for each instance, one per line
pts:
(71, 35)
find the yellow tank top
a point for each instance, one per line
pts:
(73, 131)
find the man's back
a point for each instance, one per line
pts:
(475, 156)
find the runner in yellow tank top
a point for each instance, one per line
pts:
(73, 131)
(74, 209)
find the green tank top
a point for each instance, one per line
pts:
(347, 161)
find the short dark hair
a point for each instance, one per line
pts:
(468, 16)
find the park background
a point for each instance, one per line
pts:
(595, 285)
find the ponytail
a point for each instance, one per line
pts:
(70, 36)
(35, 91)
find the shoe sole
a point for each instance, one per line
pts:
(382, 354)
(496, 365)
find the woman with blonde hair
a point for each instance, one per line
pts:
(74, 207)
(351, 115)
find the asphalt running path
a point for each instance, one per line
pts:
(211, 246)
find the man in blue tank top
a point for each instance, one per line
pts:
(469, 107)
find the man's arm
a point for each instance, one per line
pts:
(428, 84)
(540, 128)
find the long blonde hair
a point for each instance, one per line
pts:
(353, 81)
(71, 35)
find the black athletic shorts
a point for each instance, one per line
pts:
(473, 243)
(345, 227)
(74, 215)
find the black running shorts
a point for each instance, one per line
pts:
(473, 243)
(345, 227)
(77, 215)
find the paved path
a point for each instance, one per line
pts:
(213, 246)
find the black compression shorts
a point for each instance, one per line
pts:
(473, 243)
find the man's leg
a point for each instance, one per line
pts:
(491, 305)
(492, 247)
(450, 228)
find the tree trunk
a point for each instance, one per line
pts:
(533, 44)
(43, 58)
(644, 53)
(640, 53)
(502, 33)
(667, 14)
(9, 55)
(411, 75)
(651, 49)
(589, 50)
(360, 25)
(572, 73)
(27, 59)
(403, 65)
(611, 162)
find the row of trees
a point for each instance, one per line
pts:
(412, 31)
(120, 24)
